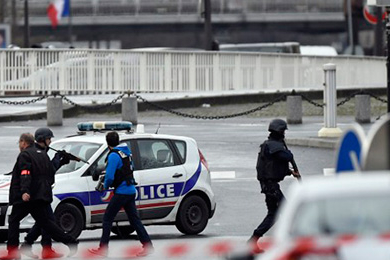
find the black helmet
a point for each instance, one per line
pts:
(277, 125)
(42, 134)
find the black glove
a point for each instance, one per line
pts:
(64, 157)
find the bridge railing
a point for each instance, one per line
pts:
(39, 71)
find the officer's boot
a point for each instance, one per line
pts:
(73, 245)
(254, 246)
(49, 253)
(13, 254)
(26, 249)
(147, 249)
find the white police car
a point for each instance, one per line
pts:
(346, 216)
(171, 172)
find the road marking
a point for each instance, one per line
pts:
(16, 126)
(223, 175)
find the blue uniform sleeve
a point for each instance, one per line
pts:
(113, 163)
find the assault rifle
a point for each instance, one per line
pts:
(70, 156)
(294, 164)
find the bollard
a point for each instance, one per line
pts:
(130, 109)
(330, 128)
(294, 110)
(362, 109)
(54, 111)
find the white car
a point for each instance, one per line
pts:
(174, 184)
(346, 216)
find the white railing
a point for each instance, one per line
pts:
(95, 71)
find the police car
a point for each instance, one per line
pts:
(174, 184)
(344, 217)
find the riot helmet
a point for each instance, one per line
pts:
(43, 133)
(277, 125)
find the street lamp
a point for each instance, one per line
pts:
(386, 4)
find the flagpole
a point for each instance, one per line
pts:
(26, 26)
(70, 23)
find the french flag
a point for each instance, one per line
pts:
(56, 10)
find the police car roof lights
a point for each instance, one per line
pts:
(105, 126)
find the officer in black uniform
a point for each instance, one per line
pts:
(31, 192)
(272, 166)
(43, 138)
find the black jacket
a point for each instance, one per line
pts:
(33, 173)
(273, 159)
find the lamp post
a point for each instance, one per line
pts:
(386, 4)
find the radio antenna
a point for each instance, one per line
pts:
(158, 128)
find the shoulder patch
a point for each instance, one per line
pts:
(122, 154)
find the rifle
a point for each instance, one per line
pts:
(70, 156)
(294, 164)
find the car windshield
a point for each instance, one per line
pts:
(82, 150)
(364, 215)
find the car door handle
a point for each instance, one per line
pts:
(177, 175)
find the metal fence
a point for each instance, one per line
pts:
(96, 71)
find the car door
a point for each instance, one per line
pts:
(161, 177)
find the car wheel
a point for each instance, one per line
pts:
(193, 216)
(3, 236)
(122, 231)
(70, 219)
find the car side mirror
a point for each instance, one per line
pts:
(97, 172)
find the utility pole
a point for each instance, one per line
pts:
(26, 26)
(350, 27)
(70, 23)
(385, 3)
(207, 25)
(378, 48)
(13, 20)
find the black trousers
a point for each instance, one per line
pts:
(38, 210)
(127, 202)
(273, 199)
(36, 231)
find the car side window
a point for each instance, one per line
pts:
(181, 147)
(79, 149)
(155, 154)
(100, 163)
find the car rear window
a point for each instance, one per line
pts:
(181, 147)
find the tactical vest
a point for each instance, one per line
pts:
(125, 173)
(269, 168)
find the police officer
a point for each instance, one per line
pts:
(272, 166)
(119, 175)
(43, 138)
(31, 192)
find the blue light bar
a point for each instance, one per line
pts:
(105, 126)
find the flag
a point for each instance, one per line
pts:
(56, 10)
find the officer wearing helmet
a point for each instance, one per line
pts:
(272, 166)
(31, 192)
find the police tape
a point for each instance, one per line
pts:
(200, 248)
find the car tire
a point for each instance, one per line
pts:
(122, 231)
(3, 236)
(193, 216)
(70, 219)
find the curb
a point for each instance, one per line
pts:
(316, 142)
